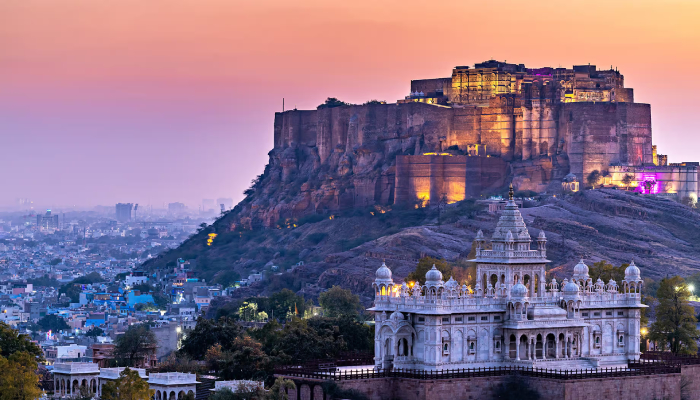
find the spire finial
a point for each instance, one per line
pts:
(510, 192)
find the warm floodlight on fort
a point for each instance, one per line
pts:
(211, 238)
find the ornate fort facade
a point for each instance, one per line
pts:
(457, 137)
(513, 315)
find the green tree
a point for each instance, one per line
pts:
(95, 331)
(627, 180)
(337, 302)
(55, 261)
(244, 360)
(18, 377)
(129, 386)
(675, 325)
(606, 271)
(593, 178)
(286, 301)
(208, 333)
(53, 323)
(332, 102)
(135, 345)
(424, 265)
(11, 341)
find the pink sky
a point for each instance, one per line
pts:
(172, 100)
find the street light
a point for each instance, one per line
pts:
(691, 287)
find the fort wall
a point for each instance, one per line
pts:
(646, 387)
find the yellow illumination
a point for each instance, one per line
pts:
(644, 331)
(210, 239)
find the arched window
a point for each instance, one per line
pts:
(621, 339)
(471, 346)
(383, 291)
(498, 345)
(597, 339)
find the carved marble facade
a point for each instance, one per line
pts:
(512, 316)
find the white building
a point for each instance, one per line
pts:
(69, 377)
(172, 385)
(512, 317)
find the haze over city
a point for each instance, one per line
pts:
(163, 101)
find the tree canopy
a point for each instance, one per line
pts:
(18, 365)
(134, 345)
(129, 386)
(606, 271)
(53, 323)
(675, 326)
(425, 264)
(332, 102)
(337, 302)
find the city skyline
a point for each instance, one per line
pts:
(143, 103)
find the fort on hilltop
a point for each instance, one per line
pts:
(471, 133)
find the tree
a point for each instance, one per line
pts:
(627, 179)
(675, 324)
(337, 302)
(424, 265)
(286, 301)
(53, 323)
(606, 271)
(95, 331)
(244, 360)
(135, 345)
(55, 261)
(208, 333)
(11, 341)
(593, 178)
(129, 386)
(18, 377)
(332, 102)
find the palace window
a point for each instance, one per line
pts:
(445, 348)
(596, 314)
(421, 319)
(584, 314)
(608, 314)
(471, 347)
(497, 318)
(446, 319)
(620, 314)
(458, 319)
(471, 319)
(621, 340)
(484, 318)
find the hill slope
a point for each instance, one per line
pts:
(660, 235)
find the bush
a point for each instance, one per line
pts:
(316, 237)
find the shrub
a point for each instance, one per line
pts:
(316, 237)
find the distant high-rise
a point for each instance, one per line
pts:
(47, 221)
(226, 201)
(209, 205)
(124, 212)
(176, 208)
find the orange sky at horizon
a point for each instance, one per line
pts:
(206, 76)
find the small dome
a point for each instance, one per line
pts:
(569, 287)
(541, 235)
(518, 290)
(434, 275)
(480, 235)
(396, 316)
(451, 284)
(581, 269)
(570, 178)
(383, 273)
(632, 272)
